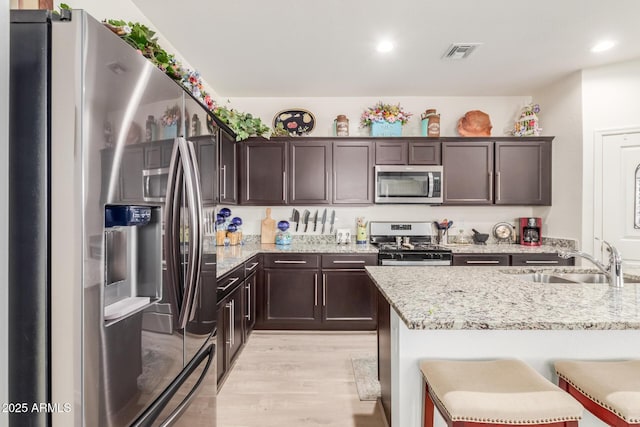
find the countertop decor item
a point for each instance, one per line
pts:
(283, 236)
(504, 232)
(342, 125)
(295, 122)
(527, 124)
(268, 229)
(475, 123)
(479, 238)
(385, 119)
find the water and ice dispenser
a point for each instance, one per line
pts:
(132, 260)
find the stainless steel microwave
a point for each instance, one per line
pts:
(408, 184)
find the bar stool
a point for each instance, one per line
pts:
(609, 390)
(496, 392)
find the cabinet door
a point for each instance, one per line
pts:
(468, 172)
(309, 172)
(228, 163)
(353, 172)
(236, 319)
(206, 154)
(153, 156)
(478, 260)
(131, 175)
(291, 298)
(424, 153)
(391, 152)
(523, 172)
(264, 173)
(348, 300)
(222, 338)
(250, 304)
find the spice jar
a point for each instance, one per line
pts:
(342, 125)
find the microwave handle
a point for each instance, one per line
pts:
(430, 175)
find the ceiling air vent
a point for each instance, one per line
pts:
(460, 50)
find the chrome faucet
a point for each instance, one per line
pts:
(613, 270)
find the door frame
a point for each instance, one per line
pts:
(598, 172)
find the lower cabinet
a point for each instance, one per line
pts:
(519, 259)
(550, 260)
(299, 291)
(230, 329)
(477, 260)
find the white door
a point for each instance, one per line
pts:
(620, 195)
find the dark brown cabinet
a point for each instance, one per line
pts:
(310, 164)
(353, 172)
(550, 260)
(348, 295)
(207, 166)
(131, 174)
(479, 260)
(468, 172)
(391, 152)
(523, 172)
(411, 152)
(299, 292)
(263, 177)
(228, 177)
(250, 283)
(230, 334)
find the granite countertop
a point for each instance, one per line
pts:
(229, 257)
(496, 298)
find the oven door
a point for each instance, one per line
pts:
(408, 184)
(154, 184)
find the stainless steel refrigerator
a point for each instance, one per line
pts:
(108, 322)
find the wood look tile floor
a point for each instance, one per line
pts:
(298, 379)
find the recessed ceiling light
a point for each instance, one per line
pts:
(603, 45)
(384, 46)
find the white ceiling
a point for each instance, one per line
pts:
(311, 48)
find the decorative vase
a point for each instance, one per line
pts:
(385, 128)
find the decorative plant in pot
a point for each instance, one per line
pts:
(170, 121)
(385, 119)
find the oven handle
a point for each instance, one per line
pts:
(412, 263)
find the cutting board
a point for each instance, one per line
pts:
(268, 229)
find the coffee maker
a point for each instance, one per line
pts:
(531, 231)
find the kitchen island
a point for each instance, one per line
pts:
(482, 313)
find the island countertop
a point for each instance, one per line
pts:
(497, 298)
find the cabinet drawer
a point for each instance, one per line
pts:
(230, 281)
(291, 261)
(350, 261)
(540, 260)
(251, 266)
(479, 260)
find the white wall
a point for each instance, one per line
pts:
(609, 101)
(4, 203)
(503, 111)
(561, 116)
(128, 11)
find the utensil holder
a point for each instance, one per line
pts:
(441, 237)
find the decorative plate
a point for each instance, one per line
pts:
(295, 122)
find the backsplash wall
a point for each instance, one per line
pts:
(482, 218)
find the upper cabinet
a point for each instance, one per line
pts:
(263, 172)
(523, 172)
(353, 163)
(396, 151)
(505, 172)
(468, 172)
(310, 165)
(227, 174)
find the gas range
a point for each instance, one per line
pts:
(407, 243)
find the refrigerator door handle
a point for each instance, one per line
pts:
(171, 235)
(151, 414)
(195, 212)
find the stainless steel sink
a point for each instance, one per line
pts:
(544, 278)
(568, 278)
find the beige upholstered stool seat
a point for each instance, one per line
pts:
(497, 391)
(614, 386)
